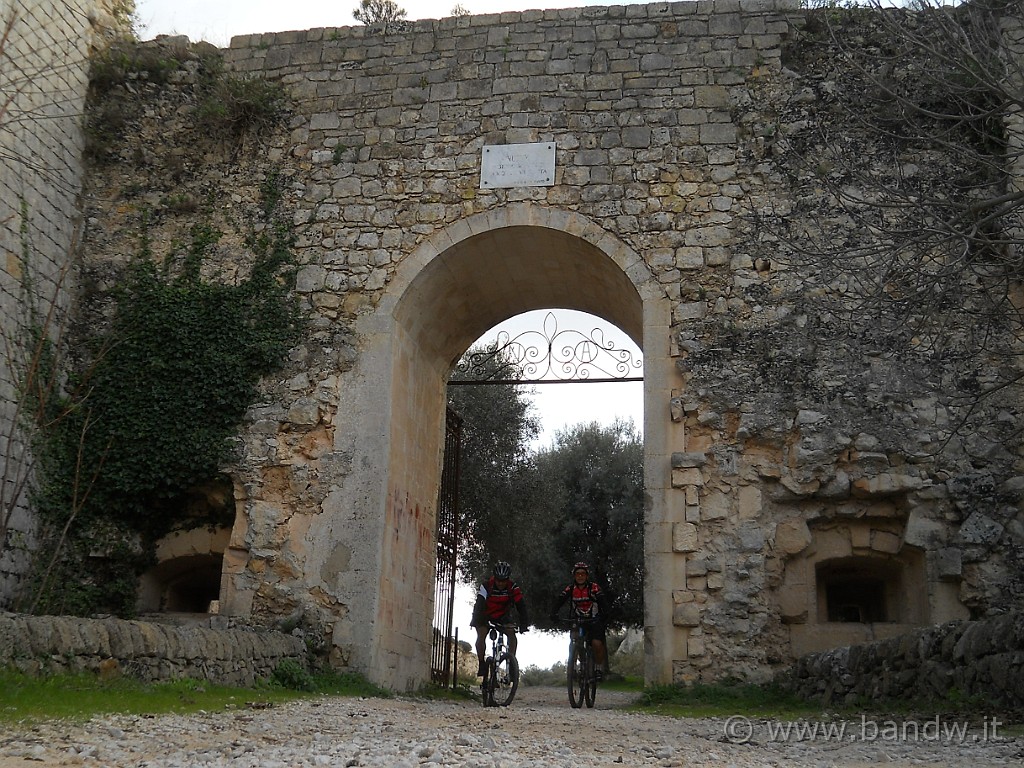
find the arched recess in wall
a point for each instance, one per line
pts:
(187, 574)
(457, 285)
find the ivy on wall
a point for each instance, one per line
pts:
(154, 413)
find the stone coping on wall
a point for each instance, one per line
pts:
(144, 649)
(450, 25)
(983, 659)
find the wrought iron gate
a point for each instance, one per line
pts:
(444, 650)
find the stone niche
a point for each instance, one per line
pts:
(855, 581)
(187, 576)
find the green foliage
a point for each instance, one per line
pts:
(292, 675)
(125, 60)
(184, 362)
(234, 106)
(153, 413)
(330, 683)
(534, 675)
(381, 13)
(229, 107)
(590, 498)
(96, 572)
(580, 500)
(496, 472)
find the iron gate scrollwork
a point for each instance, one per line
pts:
(444, 649)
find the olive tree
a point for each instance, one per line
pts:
(379, 13)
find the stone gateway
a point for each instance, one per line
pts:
(791, 505)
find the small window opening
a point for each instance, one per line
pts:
(858, 590)
(193, 592)
(189, 584)
(856, 601)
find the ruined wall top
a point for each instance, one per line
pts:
(709, 33)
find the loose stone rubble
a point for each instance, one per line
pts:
(539, 729)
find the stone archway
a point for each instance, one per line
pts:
(454, 287)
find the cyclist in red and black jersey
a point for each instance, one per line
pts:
(494, 602)
(587, 601)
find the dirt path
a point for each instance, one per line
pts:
(539, 730)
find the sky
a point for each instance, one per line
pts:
(217, 21)
(559, 406)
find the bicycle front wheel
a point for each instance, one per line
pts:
(590, 687)
(575, 676)
(506, 680)
(490, 683)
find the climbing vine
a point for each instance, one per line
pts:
(156, 407)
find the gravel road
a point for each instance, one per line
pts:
(539, 729)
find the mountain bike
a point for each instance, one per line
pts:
(501, 670)
(581, 671)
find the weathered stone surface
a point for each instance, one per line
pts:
(684, 537)
(792, 536)
(686, 615)
(685, 460)
(147, 651)
(979, 528)
(886, 484)
(981, 658)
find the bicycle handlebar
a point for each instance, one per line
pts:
(503, 627)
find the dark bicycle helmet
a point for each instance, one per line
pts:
(581, 566)
(502, 570)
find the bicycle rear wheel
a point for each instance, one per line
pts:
(590, 688)
(575, 676)
(506, 680)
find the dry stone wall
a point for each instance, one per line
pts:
(144, 650)
(983, 659)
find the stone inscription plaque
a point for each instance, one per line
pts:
(518, 165)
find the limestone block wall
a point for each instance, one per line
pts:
(982, 659)
(386, 140)
(144, 650)
(43, 80)
(783, 475)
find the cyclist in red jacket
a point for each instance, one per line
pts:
(588, 601)
(494, 602)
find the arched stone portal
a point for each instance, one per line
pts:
(811, 457)
(465, 279)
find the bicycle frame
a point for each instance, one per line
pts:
(501, 670)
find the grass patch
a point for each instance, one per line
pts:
(724, 700)
(626, 683)
(83, 695)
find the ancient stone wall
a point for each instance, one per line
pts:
(43, 78)
(144, 650)
(800, 492)
(982, 659)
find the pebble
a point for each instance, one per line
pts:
(539, 730)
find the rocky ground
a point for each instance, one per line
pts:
(538, 729)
